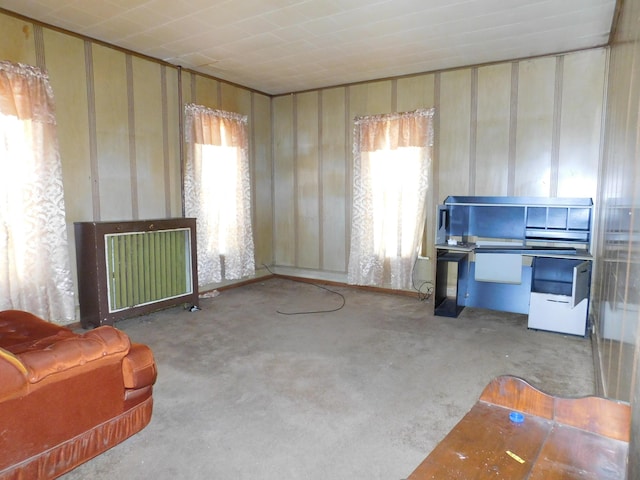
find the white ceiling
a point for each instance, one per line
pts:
(282, 46)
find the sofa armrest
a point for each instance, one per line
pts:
(139, 367)
(68, 353)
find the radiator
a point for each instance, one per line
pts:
(146, 267)
(131, 268)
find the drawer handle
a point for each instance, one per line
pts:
(557, 301)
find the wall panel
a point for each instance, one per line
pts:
(206, 91)
(616, 298)
(493, 128)
(112, 132)
(616, 303)
(262, 180)
(615, 317)
(336, 188)
(308, 181)
(284, 181)
(412, 93)
(18, 44)
(415, 92)
(370, 98)
(536, 93)
(188, 87)
(581, 123)
(453, 141)
(148, 137)
(66, 66)
(172, 142)
(235, 99)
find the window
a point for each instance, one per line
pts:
(218, 193)
(220, 182)
(392, 158)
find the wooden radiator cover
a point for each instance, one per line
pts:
(120, 275)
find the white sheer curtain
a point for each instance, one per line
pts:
(218, 192)
(35, 273)
(392, 161)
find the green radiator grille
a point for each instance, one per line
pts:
(146, 267)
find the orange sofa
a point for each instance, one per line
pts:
(67, 397)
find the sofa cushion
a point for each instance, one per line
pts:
(75, 351)
(22, 331)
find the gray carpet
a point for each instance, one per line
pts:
(364, 392)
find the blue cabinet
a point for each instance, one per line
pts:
(522, 253)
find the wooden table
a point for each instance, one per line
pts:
(559, 438)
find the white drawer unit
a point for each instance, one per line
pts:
(560, 295)
(555, 313)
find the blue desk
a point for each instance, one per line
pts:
(510, 250)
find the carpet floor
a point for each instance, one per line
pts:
(361, 392)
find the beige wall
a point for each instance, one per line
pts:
(529, 127)
(118, 128)
(616, 298)
(516, 128)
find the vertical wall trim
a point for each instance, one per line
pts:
(296, 193)
(600, 194)
(348, 177)
(91, 120)
(38, 37)
(192, 86)
(131, 117)
(272, 147)
(435, 167)
(473, 131)
(165, 140)
(252, 164)
(598, 246)
(436, 136)
(513, 129)
(320, 184)
(181, 138)
(557, 126)
(394, 95)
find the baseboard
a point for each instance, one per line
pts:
(337, 279)
(242, 283)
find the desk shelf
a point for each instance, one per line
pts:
(527, 219)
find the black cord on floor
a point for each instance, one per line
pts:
(344, 301)
(427, 285)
